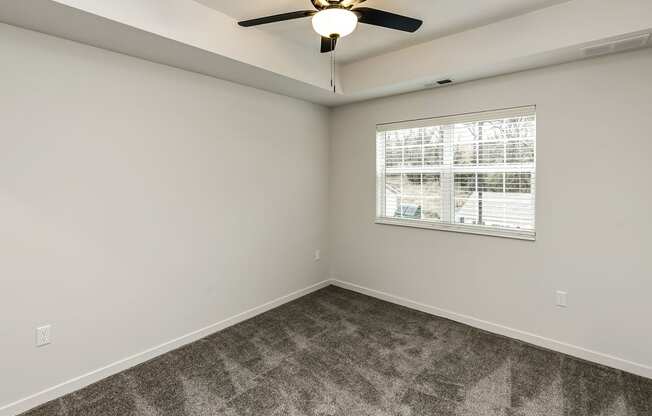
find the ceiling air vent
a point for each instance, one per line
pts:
(619, 45)
(435, 84)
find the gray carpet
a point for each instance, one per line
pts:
(335, 352)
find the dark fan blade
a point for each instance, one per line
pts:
(319, 4)
(351, 3)
(326, 45)
(386, 19)
(277, 18)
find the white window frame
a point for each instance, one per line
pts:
(447, 170)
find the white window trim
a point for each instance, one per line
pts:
(444, 226)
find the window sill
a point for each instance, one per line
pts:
(466, 229)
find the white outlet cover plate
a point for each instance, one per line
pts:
(43, 335)
(562, 300)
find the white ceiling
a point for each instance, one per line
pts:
(188, 35)
(441, 17)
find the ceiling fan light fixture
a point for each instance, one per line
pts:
(337, 22)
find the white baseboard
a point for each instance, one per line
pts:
(84, 380)
(551, 344)
(94, 376)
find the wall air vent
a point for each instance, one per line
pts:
(619, 45)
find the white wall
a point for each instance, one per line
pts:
(139, 203)
(594, 203)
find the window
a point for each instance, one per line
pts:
(472, 173)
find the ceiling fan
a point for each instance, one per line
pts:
(334, 19)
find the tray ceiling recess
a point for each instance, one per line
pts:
(455, 42)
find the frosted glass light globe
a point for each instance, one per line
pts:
(340, 22)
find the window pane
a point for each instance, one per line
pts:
(465, 184)
(466, 211)
(494, 199)
(413, 137)
(392, 193)
(491, 153)
(433, 135)
(466, 154)
(393, 157)
(466, 198)
(433, 155)
(413, 196)
(393, 181)
(520, 151)
(499, 210)
(518, 183)
(465, 133)
(411, 184)
(490, 182)
(392, 139)
(409, 208)
(432, 185)
(432, 209)
(414, 156)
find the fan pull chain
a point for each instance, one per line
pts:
(333, 65)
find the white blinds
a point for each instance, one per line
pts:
(473, 172)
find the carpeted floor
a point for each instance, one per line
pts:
(335, 352)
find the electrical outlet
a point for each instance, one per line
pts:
(317, 255)
(43, 334)
(562, 300)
